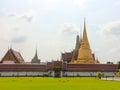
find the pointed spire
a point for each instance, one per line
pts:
(80, 38)
(8, 47)
(84, 32)
(36, 53)
(35, 58)
(85, 53)
(77, 42)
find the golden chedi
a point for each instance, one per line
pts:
(84, 55)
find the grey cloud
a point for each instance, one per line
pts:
(69, 28)
(19, 39)
(112, 28)
(27, 18)
(15, 29)
(12, 15)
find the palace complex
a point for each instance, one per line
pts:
(80, 62)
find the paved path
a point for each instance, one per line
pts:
(111, 78)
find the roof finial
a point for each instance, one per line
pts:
(8, 47)
(84, 32)
(84, 23)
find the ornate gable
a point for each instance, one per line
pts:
(12, 57)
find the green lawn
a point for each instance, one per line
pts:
(39, 83)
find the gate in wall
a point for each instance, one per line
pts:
(57, 68)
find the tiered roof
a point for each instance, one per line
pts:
(12, 56)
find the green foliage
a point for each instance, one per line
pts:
(118, 65)
(99, 75)
(39, 83)
(118, 73)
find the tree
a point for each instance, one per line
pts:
(99, 75)
(118, 65)
(118, 73)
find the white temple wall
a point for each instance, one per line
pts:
(109, 73)
(68, 73)
(22, 73)
(52, 73)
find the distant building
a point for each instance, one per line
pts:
(66, 57)
(110, 62)
(35, 58)
(12, 57)
(79, 62)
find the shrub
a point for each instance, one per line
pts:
(118, 73)
(99, 75)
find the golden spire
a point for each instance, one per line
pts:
(85, 53)
(85, 42)
(85, 33)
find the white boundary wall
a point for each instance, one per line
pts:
(52, 73)
(68, 73)
(22, 73)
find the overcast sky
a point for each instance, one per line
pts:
(52, 26)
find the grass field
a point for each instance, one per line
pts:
(39, 83)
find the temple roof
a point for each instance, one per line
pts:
(14, 56)
(18, 56)
(67, 56)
